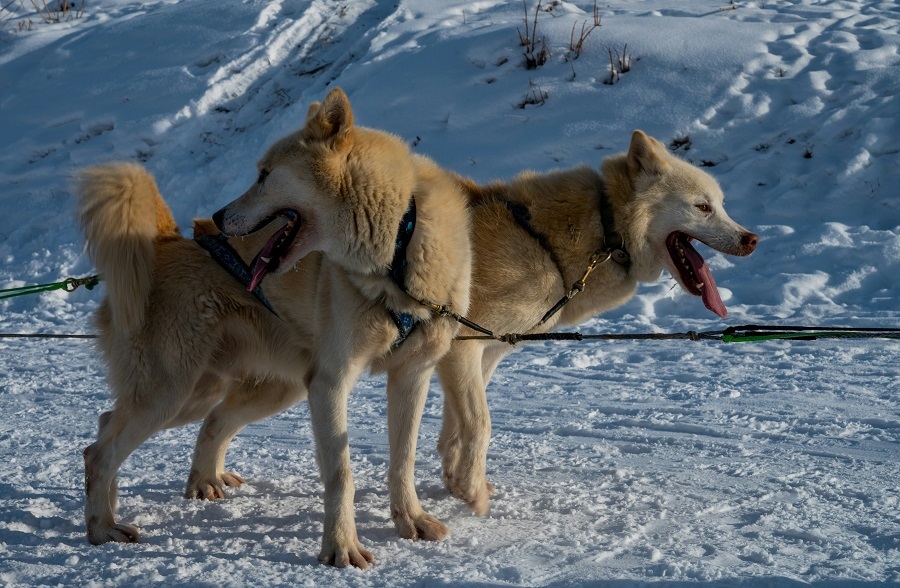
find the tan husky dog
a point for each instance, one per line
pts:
(532, 239)
(185, 341)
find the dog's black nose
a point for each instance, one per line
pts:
(749, 241)
(218, 217)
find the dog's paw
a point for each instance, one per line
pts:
(212, 488)
(422, 526)
(341, 555)
(476, 495)
(114, 533)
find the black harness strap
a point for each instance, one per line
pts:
(405, 321)
(228, 258)
(612, 247)
(404, 236)
(522, 216)
(612, 239)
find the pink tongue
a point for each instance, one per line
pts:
(709, 293)
(263, 261)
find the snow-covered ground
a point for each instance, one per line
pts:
(632, 463)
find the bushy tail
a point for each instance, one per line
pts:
(122, 215)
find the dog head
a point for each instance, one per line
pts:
(341, 188)
(674, 203)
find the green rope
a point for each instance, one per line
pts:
(69, 285)
(753, 333)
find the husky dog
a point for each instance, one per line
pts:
(365, 234)
(533, 237)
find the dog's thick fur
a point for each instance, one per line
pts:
(184, 341)
(516, 279)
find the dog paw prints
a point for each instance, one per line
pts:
(683, 145)
(202, 65)
(495, 68)
(680, 144)
(60, 138)
(94, 130)
(42, 153)
(145, 151)
(556, 155)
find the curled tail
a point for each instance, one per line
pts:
(122, 216)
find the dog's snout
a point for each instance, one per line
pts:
(748, 243)
(218, 218)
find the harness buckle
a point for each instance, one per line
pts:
(621, 257)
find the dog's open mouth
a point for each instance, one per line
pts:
(693, 272)
(272, 254)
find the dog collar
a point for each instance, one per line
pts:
(228, 258)
(613, 242)
(404, 321)
(404, 236)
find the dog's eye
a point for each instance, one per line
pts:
(704, 208)
(262, 176)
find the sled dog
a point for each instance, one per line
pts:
(532, 239)
(357, 233)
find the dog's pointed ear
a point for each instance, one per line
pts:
(331, 120)
(204, 227)
(646, 155)
(313, 109)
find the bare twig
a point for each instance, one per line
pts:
(533, 58)
(620, 65)
(613, 74)
(536, 96)
(61, 12)
(624, 60)
(578, 46)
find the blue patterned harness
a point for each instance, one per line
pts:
(228, 258)
(405, 321)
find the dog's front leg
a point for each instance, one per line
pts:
(329, 389)
(407, 390)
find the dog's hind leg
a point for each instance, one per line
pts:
(448, 442)
(247, 402)
(121, 432)
(407, 390)
(464, 439)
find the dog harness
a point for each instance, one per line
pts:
(404, 321)
(611, 247)
(225, 255)
(613, 243)
(228, 258)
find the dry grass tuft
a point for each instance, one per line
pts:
(621, 64)
(576, 47)
(534, 58)
(55, 12)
